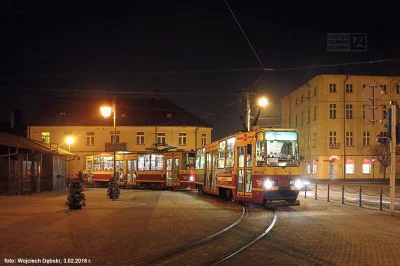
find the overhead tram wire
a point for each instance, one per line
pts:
(119, 92)
(211, 70)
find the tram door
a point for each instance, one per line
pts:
(214, 167)
(173, 169)
(90, 170)
(131, 168)
(244, 163)
(208, 171)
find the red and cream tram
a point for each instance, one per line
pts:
(260, 166)
(172, 169)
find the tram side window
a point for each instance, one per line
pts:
(144, 163)
(230, 152)
(241, 156)
(120, 165)
(108, 163)
(98, 163)
(200, 159)
(188, 161)
(221, 154)
(260, 153)
(157, 162)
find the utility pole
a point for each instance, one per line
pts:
(248, 109)
(393, 105)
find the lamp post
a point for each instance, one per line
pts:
(262, 102)
(106, 112)
(69, 141)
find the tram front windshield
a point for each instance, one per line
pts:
(282, 148)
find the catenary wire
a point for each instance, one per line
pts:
(248, 41)
(209, 70)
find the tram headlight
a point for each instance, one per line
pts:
(268, 184)
(191, 178)
(298, 184)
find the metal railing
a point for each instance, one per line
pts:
(318, 190)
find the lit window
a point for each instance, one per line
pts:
(139, 137)
(89, 138)
(116, 137)
(46, 137)
(203, 139)
(332, 137)
(349, 88)
(182, 138)
(349, 167)
(366, 138)
(349, 111)
(366, 167)
(161, 137)
(332, 87)
(349, 138)
(332, 111)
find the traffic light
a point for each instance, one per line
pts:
(383, 138)
(388, 125)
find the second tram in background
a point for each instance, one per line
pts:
(260, 166)
(163, 170)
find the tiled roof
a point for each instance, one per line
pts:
(15, 141)
(130, 112)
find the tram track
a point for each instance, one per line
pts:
(198, 249)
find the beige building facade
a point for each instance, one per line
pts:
(335, 137)
(140, 123)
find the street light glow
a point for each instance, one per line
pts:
(69, 140)
(105, 111)
(262, 102)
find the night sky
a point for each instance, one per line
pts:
(145, 46)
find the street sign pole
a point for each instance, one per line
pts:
(393, 157)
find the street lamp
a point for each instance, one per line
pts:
(69, 141)
(106, 112)
(262, 102)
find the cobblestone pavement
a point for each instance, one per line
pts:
(321, 233)
(144, 223)
(138, 225)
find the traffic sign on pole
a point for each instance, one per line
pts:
(373, 115)
(372, 92)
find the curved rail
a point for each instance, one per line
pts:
(182, 248)
(246, 245)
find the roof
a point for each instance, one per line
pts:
(59, 150)
(15, 141)
(129, 112)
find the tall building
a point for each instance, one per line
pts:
(331, 113)
(140, 123)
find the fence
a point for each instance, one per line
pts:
(343, 199)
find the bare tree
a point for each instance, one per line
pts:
(382, 154)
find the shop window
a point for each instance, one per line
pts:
(366, 166)
(349, 167)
